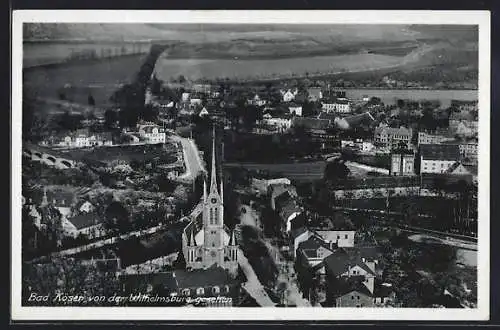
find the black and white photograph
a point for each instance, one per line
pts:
(324, 164)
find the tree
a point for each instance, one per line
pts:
(90, 100)
(117, 217)
(110, 118)
(335, 170)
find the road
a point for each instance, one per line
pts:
(253, 285)
(151, 266)
(101, 243)
(286, 270)
(192, 159)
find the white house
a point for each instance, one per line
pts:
(152, 133)
(295, 108)
(280, 123)
(289, 96)
(438, 158)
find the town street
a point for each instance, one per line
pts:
(286, 270)
(192, 159)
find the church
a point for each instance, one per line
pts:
(206, 241)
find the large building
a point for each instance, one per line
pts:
(209, 242)
(402, 163)
(393, 137)
(427, 138)
(438, 158)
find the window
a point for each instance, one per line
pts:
(200, 291)
(215, 290)
(358, 297)
(352, 297)
(346, 236)
(185, 292)
(226, 288)
(211, 216)
(338, 236)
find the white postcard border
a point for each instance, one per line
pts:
(481, 18)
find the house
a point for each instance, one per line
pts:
(458, 169)
(467, 147)
(351, 292)
(151, 133)
(88, 224)
(438, 158)
(467, 118)
(288, 210)
(81, 138)
(297, 236)
(383, 294)
(314, 94)
(85, 207)
(200, 287)
(337, 105)
(257, 100)
(313, 125)
(289, 95)
(185, 97)
(203, 112)
(312, 252)
(279, 123)
(295, 109)
(426, 138)
(262, 185)
(402, 162)
(393, 137)
(275, 190)
(347, 273)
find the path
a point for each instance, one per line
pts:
(151, 266)
(286, 270)
(101, 243)
(192, 159)
(253, 286)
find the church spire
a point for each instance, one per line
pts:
(45, 201)
(213, 178)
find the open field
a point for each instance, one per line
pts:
(273, 68)
(77, 80)
(35, 54)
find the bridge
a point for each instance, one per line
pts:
(48, 156)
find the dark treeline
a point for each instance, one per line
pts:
(130, 98)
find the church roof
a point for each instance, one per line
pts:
(211, 276)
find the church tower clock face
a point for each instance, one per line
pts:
(214, 200)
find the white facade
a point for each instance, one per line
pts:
(336, 107)
(289, 96)
(297, 110)
(435, 166)
(281, 124)
(343, 238)
(425, 138)
(152, 134)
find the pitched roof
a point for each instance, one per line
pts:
(85, 220)
(311, 123)
(298, 231)
(347, 285)
(340, 261)
(440, 151)
(203, 277)
(139, 282)
(382, 289)
(394, 131)
(462, 115)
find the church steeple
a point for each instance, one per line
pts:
(213, 177)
